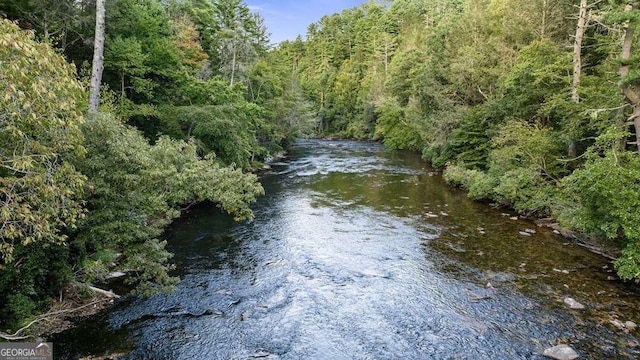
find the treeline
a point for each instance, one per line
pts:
(528, 103)
(185, 69)
(188, 104)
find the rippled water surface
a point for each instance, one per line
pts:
(360, 253)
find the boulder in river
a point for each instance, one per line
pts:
(627, 326)
(561, 352)
(630, 325)
(573, 304)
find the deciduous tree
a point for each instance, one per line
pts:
(41, 110)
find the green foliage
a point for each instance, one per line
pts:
(22, 307)
(397, 134)
(606, 191)
(521, 145)
(478, 184)
(471, 140)
(96, 198)
(521, 173)
(41, 118)
(138, 189)
(42, 193)
(226, 131)
(605, 196)
(540, 73)
(28, 284)
(628, 264)
(525, 191)
(126, 58)
(167, 86)
(524, 161)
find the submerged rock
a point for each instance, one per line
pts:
(627, 326)
(630, 325)
(561, 352)
(573, 304)
(617, 323)
(561, 271)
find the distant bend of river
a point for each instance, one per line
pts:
(361, 253)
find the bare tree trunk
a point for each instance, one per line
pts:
(631, 92)
(577, 51)
(543, 24)
(233, 63)
(98, 59)
(46, 26)
(577, 65)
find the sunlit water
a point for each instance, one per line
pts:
(359, 253)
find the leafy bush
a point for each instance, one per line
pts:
(229, 132)
(394, 130)
(526, 191)
(607, 194)
(522, 170)
(478, 183)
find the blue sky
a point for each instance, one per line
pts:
(285, 19)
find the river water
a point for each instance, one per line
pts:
(361, 253)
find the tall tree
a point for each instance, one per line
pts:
(40, 127)
(98, 59)
(577, 64)
(241, 38)
(577, 51)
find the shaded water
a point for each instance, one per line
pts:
(359, 253)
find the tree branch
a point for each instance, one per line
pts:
(16, 336)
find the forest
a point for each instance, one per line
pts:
(533, 105)
(530, 104)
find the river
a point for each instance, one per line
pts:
(361, 253)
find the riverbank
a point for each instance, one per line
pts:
(75, 301)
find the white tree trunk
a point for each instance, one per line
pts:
(577, 65)
(577, 51)
(233, 62)
(98, 59)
